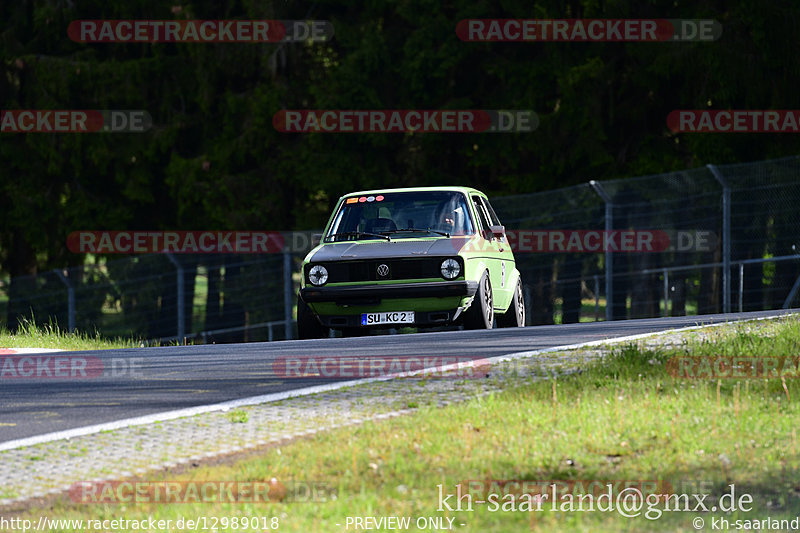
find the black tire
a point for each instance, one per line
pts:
(308, 327)
(480, 314)
(515, 316)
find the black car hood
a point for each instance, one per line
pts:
(356, 250)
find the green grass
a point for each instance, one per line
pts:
(623, 418)
(239, 416)
(31, 335)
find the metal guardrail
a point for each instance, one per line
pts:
(204, 335)
(726, 286)
(665, 272)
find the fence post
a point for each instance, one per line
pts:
(288, 292)
(70, 300)
(792, 293)
(726, 237)
(741, 285)
(609, 254)
(181, 319)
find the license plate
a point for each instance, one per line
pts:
(388, 317)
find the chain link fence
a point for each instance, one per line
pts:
(726, 236)
(164, 297)
(734, 233)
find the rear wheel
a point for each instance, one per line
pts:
(515, 316)
(480, 314)
(308, 327)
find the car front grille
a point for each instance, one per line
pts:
(399, 269)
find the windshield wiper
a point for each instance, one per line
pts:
(358, 234)
(417, 230)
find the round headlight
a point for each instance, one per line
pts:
(318, 275)
(450, 269)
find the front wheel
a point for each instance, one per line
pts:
(480, 314)
(515, 316)
(308, 327)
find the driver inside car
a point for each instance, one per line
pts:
(447, 221)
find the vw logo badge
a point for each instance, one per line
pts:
(383, 270)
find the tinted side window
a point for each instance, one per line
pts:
(492, 214)
(483, 217)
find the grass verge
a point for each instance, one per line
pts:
(31, 335)
(624, 419)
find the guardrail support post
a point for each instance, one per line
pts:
(181, 319)
(741, 286)
(70, 300)
(792, 294)
(795, 287)
(666, 293)
(726, 237)
(288, 290)
(609, 258)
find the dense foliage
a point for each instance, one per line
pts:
(213, 160)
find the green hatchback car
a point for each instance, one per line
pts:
(418, 257)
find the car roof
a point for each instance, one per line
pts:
(465, 190)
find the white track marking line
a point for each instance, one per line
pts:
(15, 351)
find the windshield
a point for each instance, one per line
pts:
(371, 217)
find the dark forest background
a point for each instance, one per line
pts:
(214, 161)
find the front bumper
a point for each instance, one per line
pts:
(374, 294)
(421, 318)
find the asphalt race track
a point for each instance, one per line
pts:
(177, 377)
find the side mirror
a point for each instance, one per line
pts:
(498, 231)
(316, 238)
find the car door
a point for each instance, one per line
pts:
(491, 245)
(503, 259)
